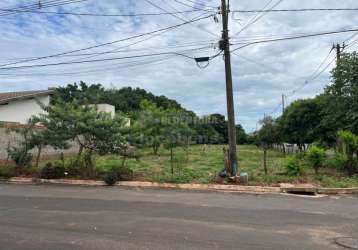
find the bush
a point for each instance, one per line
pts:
(20, 156)
(53, 171)
(316, 156)
(293, 166)
(338, 161)
(110, 178)
(124, 173)
(7, 172)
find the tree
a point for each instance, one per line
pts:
(20, 154)
(42, 137)
(95, 132)
(176, 133)
(300, 122)
(205, 132)
(349, 143)
(241, 136)
(342, 94)
(148, 125)
(267, 135)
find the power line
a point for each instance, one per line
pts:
(178, 17)
(201, 4)
(101, 15)
(108, 43)
(181, 53)
(5, 12)
(296, 37)
(96, 69)
(294, 10)
(188, 5)
(258, 17)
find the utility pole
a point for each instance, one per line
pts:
(283, 103)
(225, 46)
(339, 50)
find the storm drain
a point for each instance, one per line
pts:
(347, 242)
(301, 192)
(308, 191)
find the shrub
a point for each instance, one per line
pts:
(110, 178)
(53, 171)
(338, 161)
(7, 172)
(316, 156)
(293, 166)
(124, 174)
(20, 156)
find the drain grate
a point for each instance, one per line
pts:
(347, 242)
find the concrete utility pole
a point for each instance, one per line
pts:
(225, 46)
(283, 103)
(339, 50)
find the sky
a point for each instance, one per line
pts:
(261, 72)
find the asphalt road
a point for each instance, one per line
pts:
(64, 217)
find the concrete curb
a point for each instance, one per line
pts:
(140, 184)
(198, 187)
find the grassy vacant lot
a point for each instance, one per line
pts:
(202, 163)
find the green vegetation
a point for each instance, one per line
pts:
(316, 156)
(168, 143)
(293, 166)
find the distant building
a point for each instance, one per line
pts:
(19, 107)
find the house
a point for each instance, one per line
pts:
(19, 107)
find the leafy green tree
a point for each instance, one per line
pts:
(148, 125)
(342, 95)
(267, 136)
(241, 136)
(20, 154)
(95, 132)
(300, 122)
(205, 132)
(350, 147)
(176, 132)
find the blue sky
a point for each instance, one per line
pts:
(261, 72)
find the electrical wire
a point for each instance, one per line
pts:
(95, 69)
(296, 37)
(258, 16)
(294, 10)
(188, 5)
(181, 45)
(181, 53)
(107, 43)
(100, 15)
(201, 4)
(6, 11)
(178, 17)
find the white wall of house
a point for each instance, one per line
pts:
(22, 110)
(106, 108)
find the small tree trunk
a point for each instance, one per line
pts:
(124, 158)
(171, 160)
(79, 153)
(89, 163)
(155, 149)
(283, 149)
(265, 160)
(38, 156)
(316, 169)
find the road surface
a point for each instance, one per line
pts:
(86, 218)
